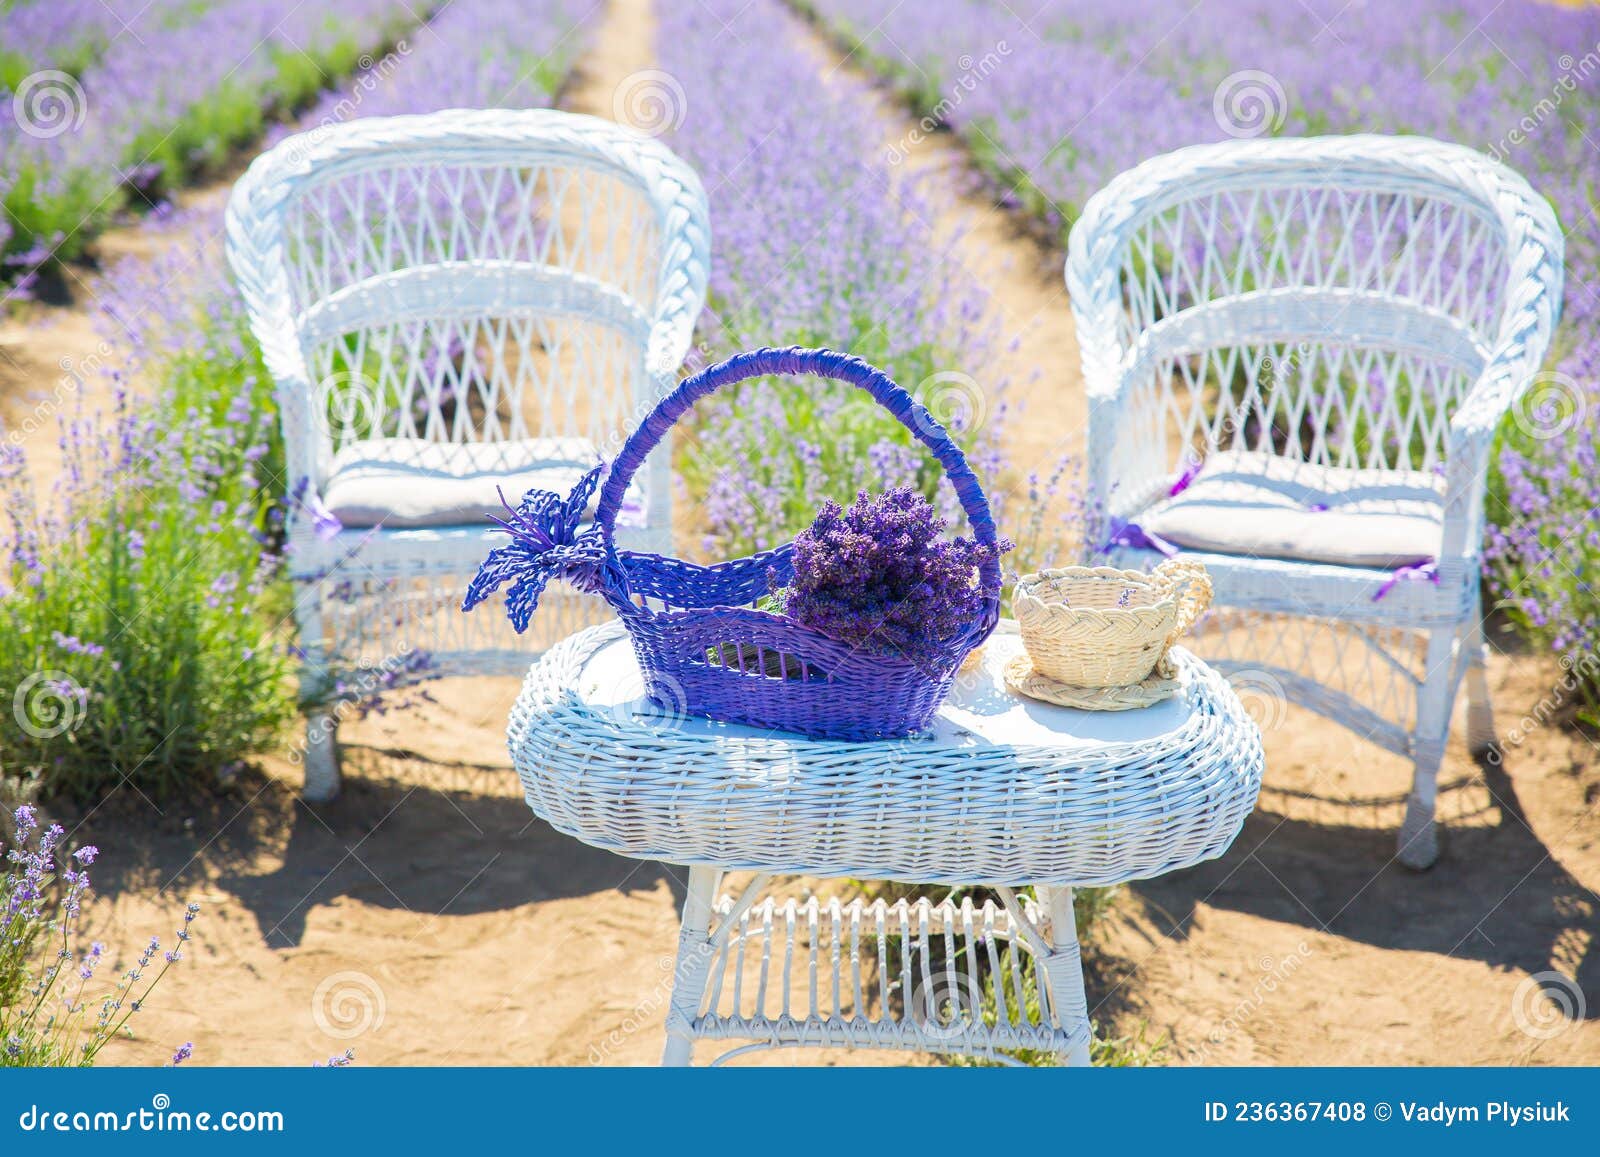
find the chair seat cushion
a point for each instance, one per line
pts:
(1265, 506)
(409, 483)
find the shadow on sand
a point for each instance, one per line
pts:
(406, 833)
(1497, 894)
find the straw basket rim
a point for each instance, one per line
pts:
(1148, 617)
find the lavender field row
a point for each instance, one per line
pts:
(1053, 99)
(103, 114)
(70, 35)
(818, 242)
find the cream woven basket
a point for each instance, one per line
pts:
(1103, 627)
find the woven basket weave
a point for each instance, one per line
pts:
(1103, 627)
(704, 648)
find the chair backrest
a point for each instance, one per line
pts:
(468, 277)
(1328, 299)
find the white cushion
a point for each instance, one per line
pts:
(1265, 506)
(408, 482)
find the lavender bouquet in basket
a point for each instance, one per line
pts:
(882, 578)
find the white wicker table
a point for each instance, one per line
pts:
(1001, 793)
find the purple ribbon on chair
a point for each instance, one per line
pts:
(323, 521)
(1415, 572)
(1191, 471)
(1131, 534)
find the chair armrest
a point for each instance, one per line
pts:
(1531, 311)
(1471, 440)
(253, 241)
(685, 265)
(1094, 287)
(1094, 290)
(1118, 474)
(305, 449)
(671, 335)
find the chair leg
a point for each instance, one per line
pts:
(1481, 737)
(1419, 834)
(321, 760)
(693, 967)
(1419, 839)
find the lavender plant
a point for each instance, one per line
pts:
(53, 1012)
(140, 608)
(1544, 552)
(880, 577)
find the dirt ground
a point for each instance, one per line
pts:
(427, 917)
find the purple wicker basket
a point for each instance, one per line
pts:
(702, 646)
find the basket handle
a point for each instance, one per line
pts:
(1191, 586)
(824, 364)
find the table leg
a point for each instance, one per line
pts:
(1064, 972)
(693, 967)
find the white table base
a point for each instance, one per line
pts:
(949, 977)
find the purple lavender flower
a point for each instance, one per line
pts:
(880, 578)
(75, 646)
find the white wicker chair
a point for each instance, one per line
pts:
(447, 303)
(1348, 317)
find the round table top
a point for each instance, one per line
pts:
(1000, 790)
